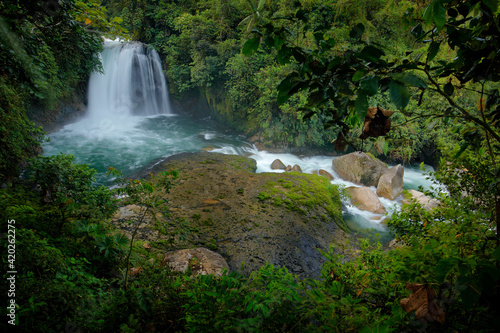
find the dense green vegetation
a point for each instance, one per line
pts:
(201, 42)
(307, 75)
(47, 51)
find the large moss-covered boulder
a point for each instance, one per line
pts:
(359, 168)
(250, 218)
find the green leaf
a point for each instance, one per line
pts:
(399, 94)
(361, 106)
(433, 50)
(357, 76)
(491, 4)
(435, 13)
(371, 53)
(357, 31)
(286, 86)
(496, 254)
(469, 296)
(412, 80)
(444, 267)
(449, 89)
(315, 98)
(298, 54)
(284, 55)
(370, 85)
(251, 46)
(417, 31)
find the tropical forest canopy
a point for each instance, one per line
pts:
(287, 74)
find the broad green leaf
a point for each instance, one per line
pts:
(399, 94)
(411, 80)
(371, 53)
(361, 106)
(492, 4)
(469, 296)
(449, 89)
(284, 55)
(298, 54)
(417, 31)
(444, 267)
(286, 85)
(496, 254)
(436, 13)
(357, 31)
(251, 46)
(370, 85)
(433, 50)
(315, 98)
(358, 75)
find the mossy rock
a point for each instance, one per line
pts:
(280, 218)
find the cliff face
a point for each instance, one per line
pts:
(66, 111)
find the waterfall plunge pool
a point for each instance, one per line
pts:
(129, 126)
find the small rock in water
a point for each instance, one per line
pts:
(277, 165)
(325, 173)
(297, 168)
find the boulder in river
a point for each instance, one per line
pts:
(359, 168)
(427, 202)
(296, 168)
(278, 165)
(252, 218)
(365, 199)
(325, 174)
(390, 184)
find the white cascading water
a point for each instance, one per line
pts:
(132, 83)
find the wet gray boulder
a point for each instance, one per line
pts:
(359, 168)
(390, 184)
(365, 199)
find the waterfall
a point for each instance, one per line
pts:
(132, 83)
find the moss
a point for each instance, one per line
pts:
(302, 193)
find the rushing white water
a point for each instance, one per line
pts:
(361, 220)
(132, 83)
(129, 126)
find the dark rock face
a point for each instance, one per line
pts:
(254, 218)
(65, 112)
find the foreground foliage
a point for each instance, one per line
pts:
(76, 270)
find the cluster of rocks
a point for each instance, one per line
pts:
(279, 165)
(362, 169)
